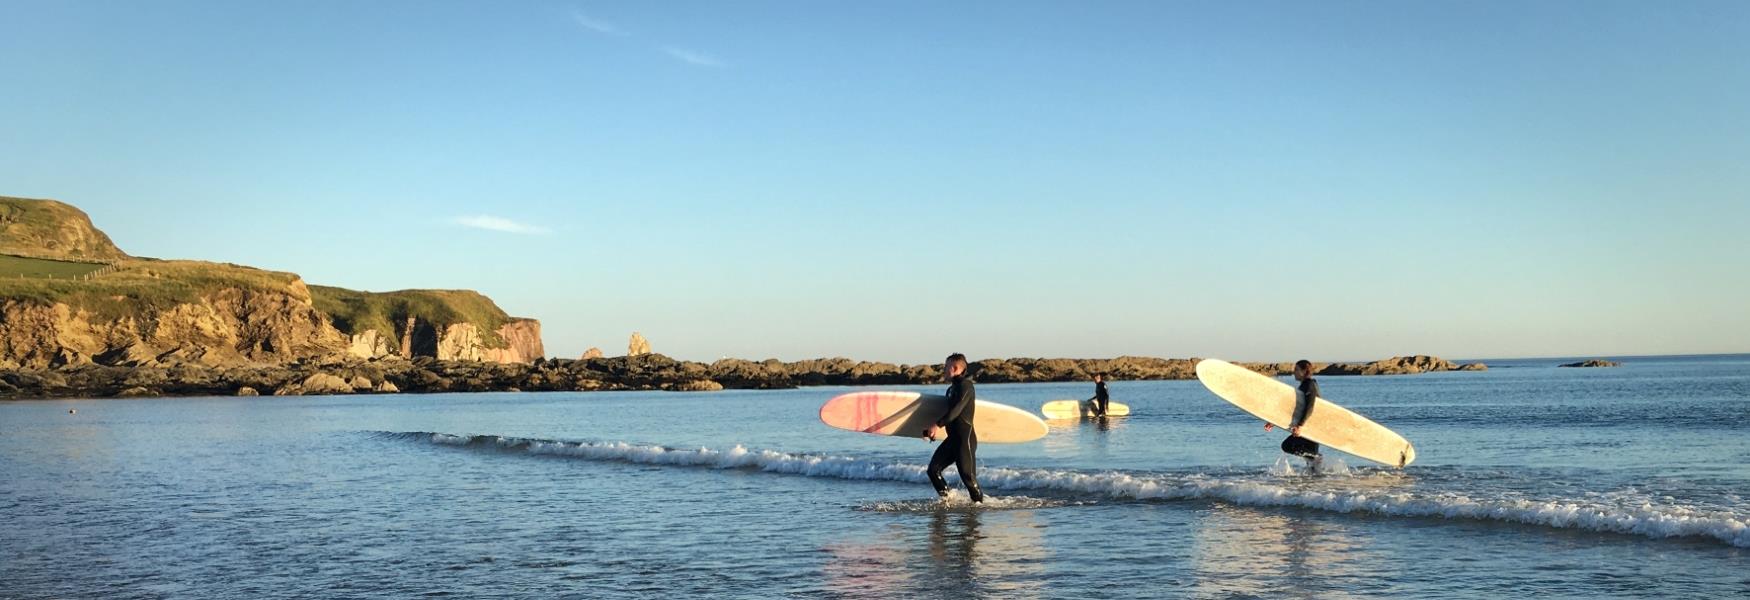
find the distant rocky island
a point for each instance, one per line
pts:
(1596, 362)
(81, 318)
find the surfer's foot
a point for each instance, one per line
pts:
(977, 495)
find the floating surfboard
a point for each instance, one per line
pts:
(1330, 424)
(910, 414)
(1076, 409)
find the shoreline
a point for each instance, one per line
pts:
(650, 372)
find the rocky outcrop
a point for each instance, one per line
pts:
(593, 352)
(316, 384)
(371, 344)
(638, 346)
(1596, 362)
(517, 341)
(229, 325)
(1397, 365)
(645, 372)
(697, 385)
(521, 339)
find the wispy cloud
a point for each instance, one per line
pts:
(691, 57)
(597, 25)
(492, 223)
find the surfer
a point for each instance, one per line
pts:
(1101, 399)
(961, 445)
(1303, 408)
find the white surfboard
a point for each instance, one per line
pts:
(1076, 409)
(1330, 424)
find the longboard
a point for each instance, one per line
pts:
(1076, 409)
(1329, 424)
(910, 414)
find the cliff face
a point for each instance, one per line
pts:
(442, 324)
(521, 339)
(50, 229)
(140, 311)
(228, 326)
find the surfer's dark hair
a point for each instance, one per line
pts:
(955, 358)
(1303, 364)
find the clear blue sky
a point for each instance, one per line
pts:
(898, 180)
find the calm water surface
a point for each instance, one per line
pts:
(1531, 480)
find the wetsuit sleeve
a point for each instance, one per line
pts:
(1303, 405)
(959, 397)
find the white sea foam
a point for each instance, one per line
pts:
(1662, 519)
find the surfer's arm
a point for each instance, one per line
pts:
(962, 398)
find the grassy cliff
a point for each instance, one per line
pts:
(354, 312)
(50, 229)
(141, 287)
(51, 254)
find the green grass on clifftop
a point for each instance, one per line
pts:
(355, 312)
(15, 267)
(142, 287)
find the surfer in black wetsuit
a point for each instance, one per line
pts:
(1304, 397)
(1101, 399)
(961, 446)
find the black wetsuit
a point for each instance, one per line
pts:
(961, 447)
(1303, 408)
(1102, 400)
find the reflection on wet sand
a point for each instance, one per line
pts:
(1244, 551)
(959, 552)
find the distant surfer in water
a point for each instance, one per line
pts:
(1303, 408)
(1101, 399)
(961, 445)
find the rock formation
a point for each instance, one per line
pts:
(371, 344)
(592, 352)
(645, 372)
(521, 340)
(1596, 362)
(228, 325)
(638, 346)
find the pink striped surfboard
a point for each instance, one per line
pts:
(909, 414)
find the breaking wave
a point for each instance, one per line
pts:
(1602, 513)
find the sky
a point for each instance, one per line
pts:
(901, 180)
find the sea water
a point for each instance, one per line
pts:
(1530, 480)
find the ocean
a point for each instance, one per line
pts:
(1531, 480)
